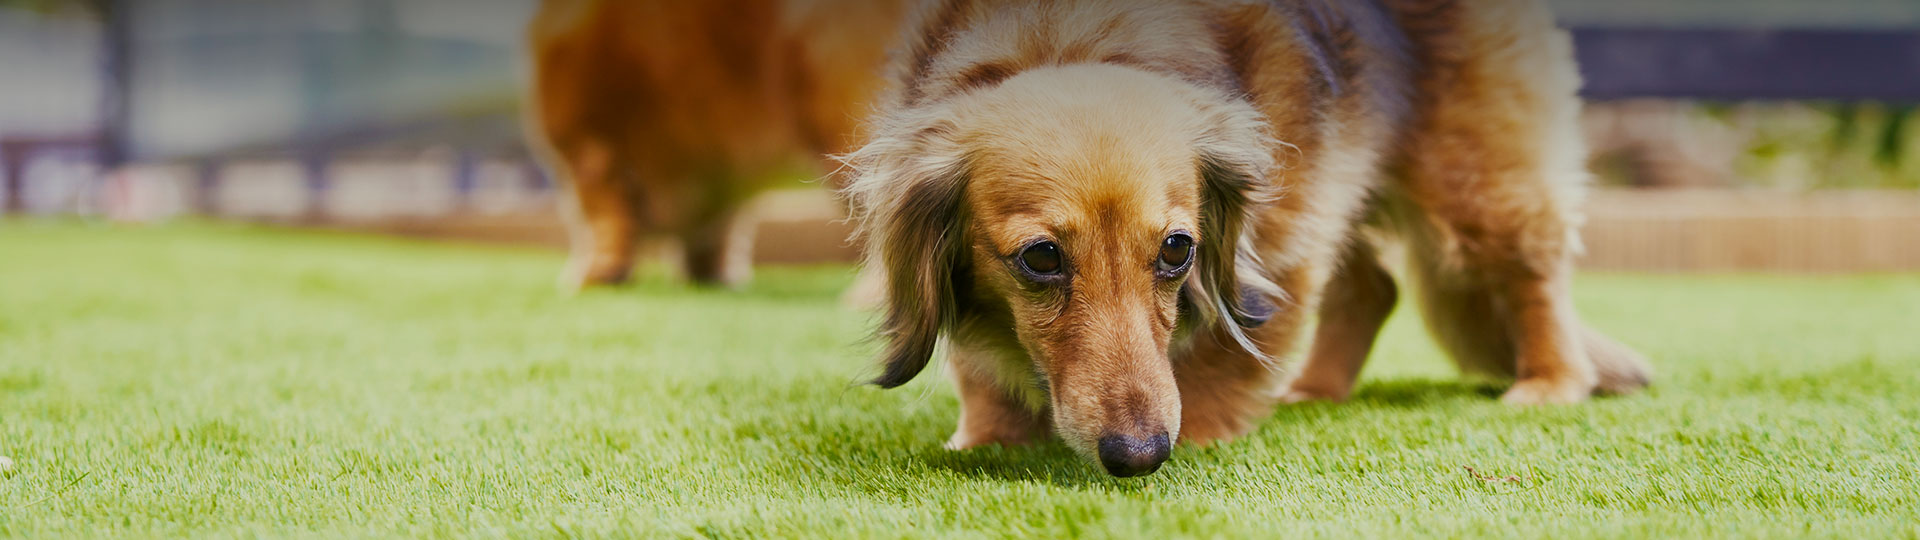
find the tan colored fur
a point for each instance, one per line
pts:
(662, 118)
(1269, 130)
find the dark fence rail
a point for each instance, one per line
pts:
(1756, 64)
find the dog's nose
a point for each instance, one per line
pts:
(1126, 456)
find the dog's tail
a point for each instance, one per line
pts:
(1621, 370)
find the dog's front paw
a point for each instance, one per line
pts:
(1292, 397)
(586, 272)
(1545, 391)
(1307, 394)
(962, 440)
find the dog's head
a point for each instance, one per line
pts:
(1090, 208)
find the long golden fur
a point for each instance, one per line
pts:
(1283, 138)
(662, 118)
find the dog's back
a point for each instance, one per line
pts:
(703, 80)
(663, 117)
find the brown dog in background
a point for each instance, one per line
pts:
(662, 118)
(1120, 215)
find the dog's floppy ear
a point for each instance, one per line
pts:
(1229, 289)
(907, 195)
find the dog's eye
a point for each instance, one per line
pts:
(1042, 258)
(1175, 252)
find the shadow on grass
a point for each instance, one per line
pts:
(1408, 393)
(886, 451)
(1049, 463)
(797, 283)
(880, 469)
(1052, 463)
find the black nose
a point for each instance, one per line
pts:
(1133, 456)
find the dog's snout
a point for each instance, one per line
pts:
(1125, 455)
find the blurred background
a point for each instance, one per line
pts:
(1771, 135)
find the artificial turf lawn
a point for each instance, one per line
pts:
(229, 381)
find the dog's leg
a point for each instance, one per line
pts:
(1552, 367)
(1353, 306)
(1224, 391)
(1505, 323)
(1621, 369)
(988, 415)
(601, 224)
(718, 251)
(868, 291)
(1471, 320)
(1495, 177)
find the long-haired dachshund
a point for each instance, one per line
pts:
(662, 118)
(1121, 215)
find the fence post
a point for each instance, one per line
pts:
(13, 171)
(116, 93)
(206, 187)
(313, 165)
(465, 170)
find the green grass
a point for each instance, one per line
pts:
(209, 380)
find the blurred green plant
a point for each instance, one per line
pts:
(1782, 145)
(1859, 145)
